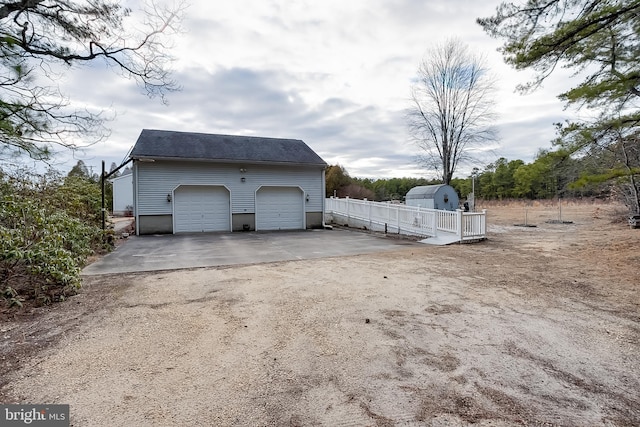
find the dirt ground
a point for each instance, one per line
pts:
(535, 326)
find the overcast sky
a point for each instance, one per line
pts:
(334, 73)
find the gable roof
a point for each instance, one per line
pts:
(161, 144)
(127, 172)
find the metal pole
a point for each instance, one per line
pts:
(103, 178)
(102, 185)
(473, 191)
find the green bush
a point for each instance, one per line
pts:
(80, 198)
(47, 231)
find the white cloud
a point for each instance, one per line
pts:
(336, 74)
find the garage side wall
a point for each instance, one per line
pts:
(154, 182)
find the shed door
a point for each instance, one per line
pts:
(201, 208)
(279, 208)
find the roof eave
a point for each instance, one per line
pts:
(232, 161)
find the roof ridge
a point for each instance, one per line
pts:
(222, 134)
(219, 147)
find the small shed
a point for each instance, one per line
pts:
(123, 193)
(441, 196)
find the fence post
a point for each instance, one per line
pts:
(460, 225)
(398, 217)
(484, 223)
(434, 215)
(369, 211)
(348, 216)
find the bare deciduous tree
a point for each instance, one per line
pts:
(451, 113)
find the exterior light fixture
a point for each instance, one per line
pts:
(169, 198)
(243, 179)
(242, 170)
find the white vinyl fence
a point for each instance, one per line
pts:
(409, 220)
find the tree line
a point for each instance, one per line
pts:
(552, 174)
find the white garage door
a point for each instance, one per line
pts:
(279, 208)
(201, 208)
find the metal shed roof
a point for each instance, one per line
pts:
(424, 191)
(201, 146)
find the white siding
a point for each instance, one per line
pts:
(156, 180)
(122, 193)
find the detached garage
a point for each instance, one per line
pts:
(186, 182)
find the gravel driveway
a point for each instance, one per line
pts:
(536, 326)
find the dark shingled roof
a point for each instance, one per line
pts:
(162, 144)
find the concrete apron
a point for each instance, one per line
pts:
(170, 252)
